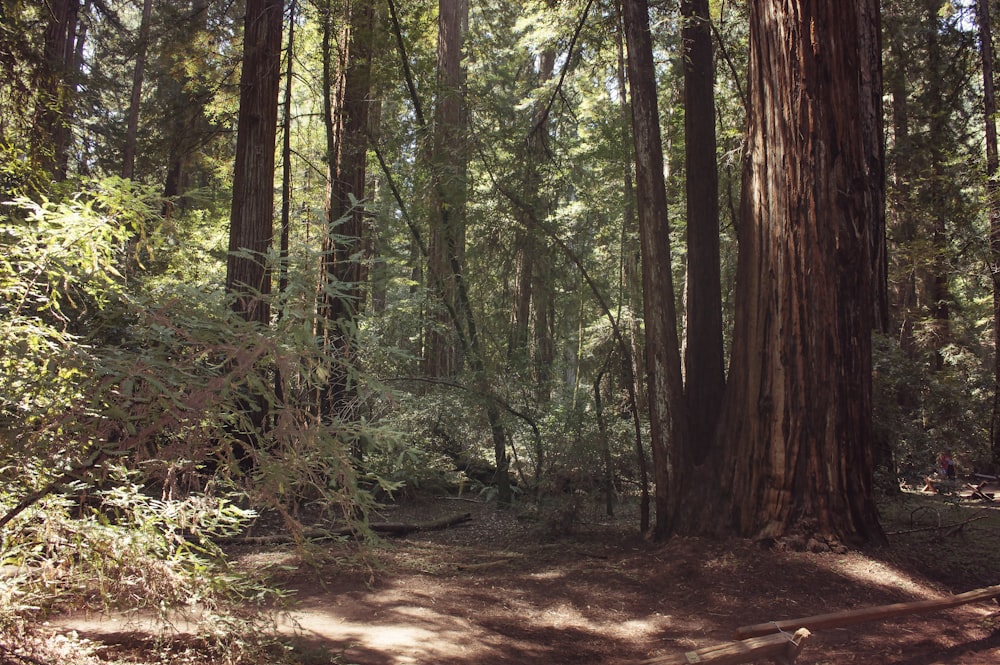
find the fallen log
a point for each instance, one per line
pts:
(403, 528)
(851, 617)
(388, 528)
(783, 647)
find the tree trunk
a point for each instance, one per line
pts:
(901, 205)
(798, 417)
(630, 287)
(449, 161)
(533, 284)
(667, 408)
(138, 74)
(286, 155)
(252, 216)
(189, 127)
(993, 197)
(704, 376)
(935, 287)
(873, 126)
(342, 297)
(51, 131)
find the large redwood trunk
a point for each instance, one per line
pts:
(798, 417)
(704, 376)
(993, 191)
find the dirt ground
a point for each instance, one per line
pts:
(505, 587)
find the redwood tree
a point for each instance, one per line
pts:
(704, 375)
(252, 215)
(667, 408)
(798, 416)
(449, 160)
(993, 196)
(343, 248)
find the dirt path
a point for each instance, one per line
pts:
(495, 590)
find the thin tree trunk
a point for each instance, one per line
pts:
(138, 74)
(935, 284)
(902, 204)
(631, 289)
(189, 128)
(667, 408)
(286, 155)
(50, 131)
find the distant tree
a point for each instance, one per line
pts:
(138, 76)
(183, 91)
(798, 415)
(51, 130)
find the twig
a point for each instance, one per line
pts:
(947, 527)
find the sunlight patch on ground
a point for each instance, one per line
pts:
(876, 573)
(408, 643)
(553, 574)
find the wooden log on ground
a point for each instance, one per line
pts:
(782, 647)
(880, 612)
(388, 528)
(403, 528)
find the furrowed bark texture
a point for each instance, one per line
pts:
(252, 215)
(799, 409)
(667, 409)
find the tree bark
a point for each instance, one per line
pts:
(798, 417)
(704, 376)
(138, 74)
(189, 127)
(51, 130)
(342, 296)
(935, 285)
(993, 198)
(449, 160)
(286, 154)
(630, 286)
(252, 216)
(667, 407)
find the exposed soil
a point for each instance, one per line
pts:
(503, 588)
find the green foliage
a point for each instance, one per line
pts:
(142, 426)
(922, 413)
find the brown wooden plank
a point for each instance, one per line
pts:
(781, 645)
(851, 617)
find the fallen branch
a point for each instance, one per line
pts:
(948, 528)
(484, 564)
(403, 528)
(783, 647)
(851, 617)
(390, 528)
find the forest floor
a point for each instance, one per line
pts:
(510, 587)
